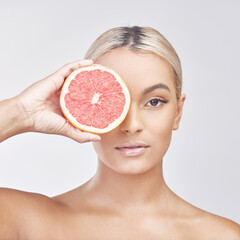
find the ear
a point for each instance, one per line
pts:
(179, 112)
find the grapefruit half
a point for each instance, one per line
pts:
(95, 99)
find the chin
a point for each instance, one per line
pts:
(132, 167)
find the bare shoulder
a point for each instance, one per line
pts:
(199, 224)
(211, 226)
(222, 227)
(11, 198)
(19, 208)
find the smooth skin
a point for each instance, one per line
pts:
(128, 197)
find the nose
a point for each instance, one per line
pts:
(133, 123)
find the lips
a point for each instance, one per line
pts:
(132, 145)
(132, 149)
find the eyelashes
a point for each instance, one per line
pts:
(156, 102)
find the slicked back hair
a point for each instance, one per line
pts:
(138, 39)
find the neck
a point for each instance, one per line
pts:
(130, 190)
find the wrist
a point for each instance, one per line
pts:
(13, 119)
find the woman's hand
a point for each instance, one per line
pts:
(40, 105)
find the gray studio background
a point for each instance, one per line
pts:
(202, 164)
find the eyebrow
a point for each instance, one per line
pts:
(159, 85)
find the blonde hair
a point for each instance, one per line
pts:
(139, 39)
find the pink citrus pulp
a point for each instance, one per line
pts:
(95, 99)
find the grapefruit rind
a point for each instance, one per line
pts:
(73, 120)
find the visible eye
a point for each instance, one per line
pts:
(156, 102)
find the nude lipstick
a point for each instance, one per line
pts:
(132, 149)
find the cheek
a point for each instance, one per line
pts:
(161, 129)
(163, 134)
(161, 123)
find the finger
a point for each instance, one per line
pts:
(76, 134)
(83, 137)
(60, 75)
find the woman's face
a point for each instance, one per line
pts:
(151, 117)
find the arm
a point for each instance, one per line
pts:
(37, 109)
(23, 212)
(13, 120)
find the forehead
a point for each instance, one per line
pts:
(138, 70)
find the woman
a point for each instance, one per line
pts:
(127, 198)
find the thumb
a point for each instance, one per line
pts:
(59, 76)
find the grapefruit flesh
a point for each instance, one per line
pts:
(95, 99)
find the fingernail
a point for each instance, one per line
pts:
(88, 61)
